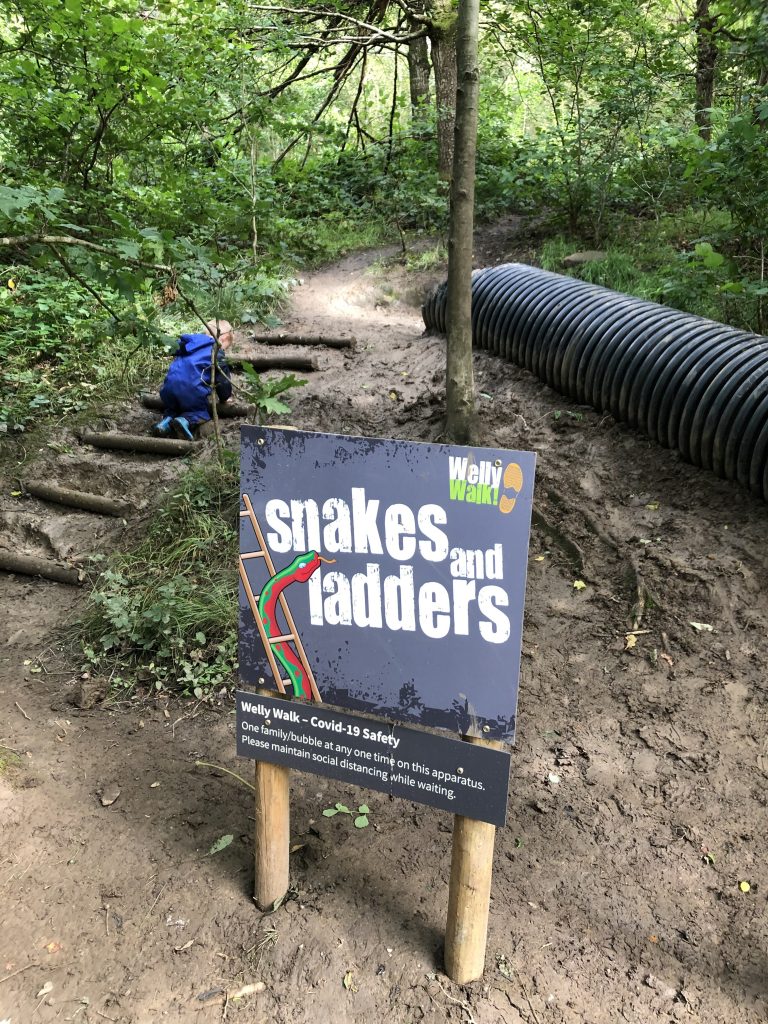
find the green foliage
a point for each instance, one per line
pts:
(263, 393)
(59, 350)
(360, 818)
(678, 260)
(8, 760)
(164, 615)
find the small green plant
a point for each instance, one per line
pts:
(8, 760)
(361, 818)
(263, 393)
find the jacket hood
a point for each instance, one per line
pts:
(191, 343)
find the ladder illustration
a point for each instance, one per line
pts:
(253, 601)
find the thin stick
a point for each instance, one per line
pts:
(219, 768)
(21, 709)
(20, 971)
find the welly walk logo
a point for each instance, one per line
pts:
(484, 482)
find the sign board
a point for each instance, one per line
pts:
(385, 576)
(458, 777)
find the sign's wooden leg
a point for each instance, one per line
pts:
(469, 894)
(272, 833)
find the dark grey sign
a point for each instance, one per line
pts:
(462, 778)
(385, 576)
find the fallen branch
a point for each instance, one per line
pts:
(139, 443)
(31, 565)
(78, 499)
(304, 364)
(304, 339)
(226, 410)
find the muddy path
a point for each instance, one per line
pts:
(637, 796)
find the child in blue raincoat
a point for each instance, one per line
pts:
(186, 391)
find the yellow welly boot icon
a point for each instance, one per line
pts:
(512, 481)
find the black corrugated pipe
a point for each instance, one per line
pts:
(689, 383)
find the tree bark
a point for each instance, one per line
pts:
(442, 29)
(460, 390)
(706, 61)
(418, 74)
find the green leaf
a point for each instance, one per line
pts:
(329, 812)
(343, 808)
(200, 638)
(221, 844)
(361, 821)
(364, 809)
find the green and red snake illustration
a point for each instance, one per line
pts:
(300, 570)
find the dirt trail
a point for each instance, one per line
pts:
(637, 798)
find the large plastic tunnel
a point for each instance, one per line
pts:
(689, 383)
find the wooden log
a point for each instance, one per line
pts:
(77, 499)
(31, 565)
(469, 894)
(304, 339)
(139, 443)
(305, 364)
(272, 834)
(225, 410)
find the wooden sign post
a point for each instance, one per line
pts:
(388, 578)
(272, 834)
(469, 895)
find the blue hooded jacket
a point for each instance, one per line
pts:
(187, 384)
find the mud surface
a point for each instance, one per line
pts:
(637, 796)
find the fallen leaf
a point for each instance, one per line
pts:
(54, 947)
(349, 984)
(109, 794)
(652, 506)
(180, 949)
(553, 780)
(15, 494)
(154, 785)
(666, 657)
(221, 844)
(579, 585)
(745, 886)
(631, 641)
(11, 284)
(702, 627)
(539, 558)
(247, 990)
(653, 938)
(47, 987)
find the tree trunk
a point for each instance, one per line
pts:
(418, 73)
(460, 390)
(706, 59)
(442, 30)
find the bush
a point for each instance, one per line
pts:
(165, 614)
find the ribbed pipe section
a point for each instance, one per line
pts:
(687, 382)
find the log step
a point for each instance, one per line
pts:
(78, 499)
(139, 443)
(225, 410)
(31, 565)
(305, 364)
(304, 339)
